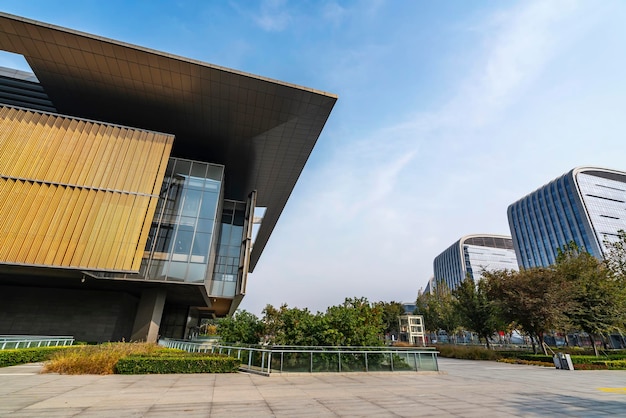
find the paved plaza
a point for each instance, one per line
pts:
(465, 389)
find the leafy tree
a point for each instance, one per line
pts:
(616, 257)
(243, 327)
(535, 299)
(616, 263)
(598, 296)
(391, 312)
(356, 322)
(299, 327)
(438, 310)
(477, 312)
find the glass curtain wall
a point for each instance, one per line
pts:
(184, 228)
(227, 264)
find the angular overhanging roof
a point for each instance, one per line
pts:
(262, 130)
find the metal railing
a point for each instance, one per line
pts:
(290, 359)
(30, 341)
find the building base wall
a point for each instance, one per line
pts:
(87, 315)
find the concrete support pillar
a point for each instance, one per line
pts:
(148, 318)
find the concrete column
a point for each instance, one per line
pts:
(149, 313)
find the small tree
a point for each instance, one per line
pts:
(536, 299)
(477, 312)
(391, 312)
(438, 310)
(355, 322)
(597, 295)
(243, 327)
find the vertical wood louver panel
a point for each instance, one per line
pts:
(75, 193)
(142, 219)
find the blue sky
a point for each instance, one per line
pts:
(447, 113)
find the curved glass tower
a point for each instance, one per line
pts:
(586, 206)
(473, 254)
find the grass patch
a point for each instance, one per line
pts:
(136, 358)
(96, 359)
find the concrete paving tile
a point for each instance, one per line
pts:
(113, 413)
(469, 389)
(52, 412)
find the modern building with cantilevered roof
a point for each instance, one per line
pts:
(129, 180)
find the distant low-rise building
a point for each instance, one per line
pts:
(412, 329)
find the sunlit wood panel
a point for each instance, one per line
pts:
(75, 193)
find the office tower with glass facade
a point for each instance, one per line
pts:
(131, 181)
(586, 206)
(471, 255)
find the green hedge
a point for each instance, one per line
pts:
(467, 352)
(611, 364)
(27, 355)
(177, 364)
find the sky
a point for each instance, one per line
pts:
(448, 112)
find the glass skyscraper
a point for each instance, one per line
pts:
(471, 255)
(585, 206)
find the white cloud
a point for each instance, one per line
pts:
(273, 15)
(334, 12)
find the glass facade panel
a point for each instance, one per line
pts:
(180, 240)
(228, 260)
(585, 206)
(471, 256)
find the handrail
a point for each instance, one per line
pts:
(8, 342)
(266, 360)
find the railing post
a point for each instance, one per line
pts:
(269, 362)
(339, 357)
(366, 366)
(282, 358)
(249, 359)
(391, 358)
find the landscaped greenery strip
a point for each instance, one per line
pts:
(17, 356)
(177, 364)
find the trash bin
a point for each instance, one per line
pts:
(563, 361)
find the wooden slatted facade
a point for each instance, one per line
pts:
(76, 193)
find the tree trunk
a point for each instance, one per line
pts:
(532, 341)
(487, 341)
(593, 344)
(543, 345)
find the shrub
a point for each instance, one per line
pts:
(610, 364)
(522, 355)
(28, 355)
(467, 352)
(131, 358)
(588, 366)
(137, 364)
(528, 362)
(96, 359)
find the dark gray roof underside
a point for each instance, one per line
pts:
(262, 130)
